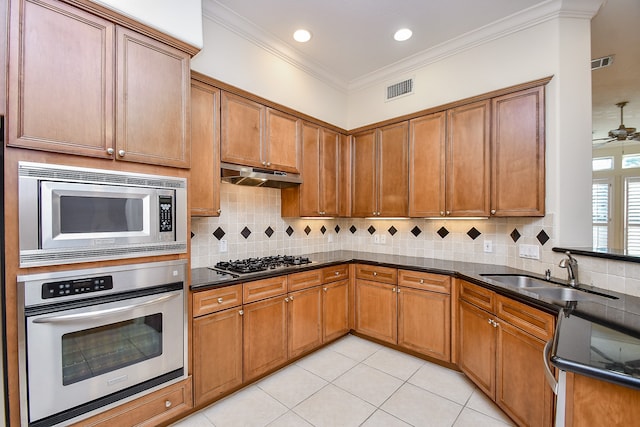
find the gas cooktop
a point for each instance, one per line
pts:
(254, 265)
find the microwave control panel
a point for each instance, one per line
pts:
(65, 288)
(166, 214)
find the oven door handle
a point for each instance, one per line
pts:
(103, 313)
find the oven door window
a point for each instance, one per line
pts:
(92, 352)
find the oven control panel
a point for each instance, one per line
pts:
(65, 288)
(166, 213)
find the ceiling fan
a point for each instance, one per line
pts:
(622, 133)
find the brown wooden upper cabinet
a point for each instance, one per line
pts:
(318, 195)
(517, 156)
(258, 136)
(379, 184)
(205, 142)
(66, 102)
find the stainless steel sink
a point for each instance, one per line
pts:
(518, 281)
(547, 289)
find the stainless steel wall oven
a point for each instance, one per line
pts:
(90, 339)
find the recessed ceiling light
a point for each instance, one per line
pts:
(302, 36)
(403, 34)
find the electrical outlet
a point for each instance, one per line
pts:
(383, 239)
(488, 246)
(222, 245)
(329, 238)
(376, 239)
(529, 251)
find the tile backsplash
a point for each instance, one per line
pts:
(250, 225)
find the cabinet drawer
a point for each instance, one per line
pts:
(150, 410)
(261, 289)
(426, 281)
(478, 296)
(213, 300)
(377, 274)
(529, 319)
(304, 280)
(335, 273)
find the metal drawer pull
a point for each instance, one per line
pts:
(324, 289)
(167, 404)
(220, 300)
(547, 369)
(121, 153)
(110, 151)
(375, 273)
(102, 313)
(286, 300)
(241, 312)
(422, 281)
(337, 273)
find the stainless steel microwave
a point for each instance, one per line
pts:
(71, 214)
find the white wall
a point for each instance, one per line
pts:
(232, 59)
(182, 20)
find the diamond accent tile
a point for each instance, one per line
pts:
(269, 231)
(323, 229)
(392, 230)
(515, 235)
(542, 237)
(307, 230)
(442, 232)
(352, 229)
(289, 231)
(192, 234)
(219, 233)
(337, 229)
(245, 232)
(473, 233)
(416, 231)
(371, 229)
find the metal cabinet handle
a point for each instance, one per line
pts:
(268, 163)
(286, 300)
(337, 273)
(441, 213)
(220, 300)
(547, 369)
(291, 298)
(264, 163)
(241, 312)
(121, 153)
(219, 211)
(448, 212)
(374, 213)
(167, 404)
(375, 273)
(393, 290)
(110, 151)
(422, 281)
(324, 289)
(398, 290)
(493, 211)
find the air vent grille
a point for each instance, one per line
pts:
(605, 61)
(404, 87)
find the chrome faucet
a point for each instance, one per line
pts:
(571, 264)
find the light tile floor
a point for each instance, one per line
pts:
(354, 382)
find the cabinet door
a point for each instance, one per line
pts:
(477, 347)
(427, 136)
(517, 163)
(304, 320)
(329, 166)
(335, 309)
(522, 390)
(376, 310)
(344, 177)
(265, 336)
(205, 143)
(282, 141)
(416, 309)
(242, 125)
(311, 171)
(61, 76)
(393, 170)
(217, 354)
(363, 182)
(153, 106)
(467, 160)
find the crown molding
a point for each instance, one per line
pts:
(527, 18)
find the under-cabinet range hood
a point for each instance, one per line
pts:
(254, 177)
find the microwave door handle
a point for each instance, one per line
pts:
(102, 313)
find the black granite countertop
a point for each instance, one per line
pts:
(620, 313)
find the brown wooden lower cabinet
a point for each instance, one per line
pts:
(335, 310)
(217, 354)
(304, 320)
(424, 322)
(151, 410)
(595, 403)
(377, 310)
(265, 336)
(504, 358)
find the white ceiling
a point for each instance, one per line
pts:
(353, 44)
